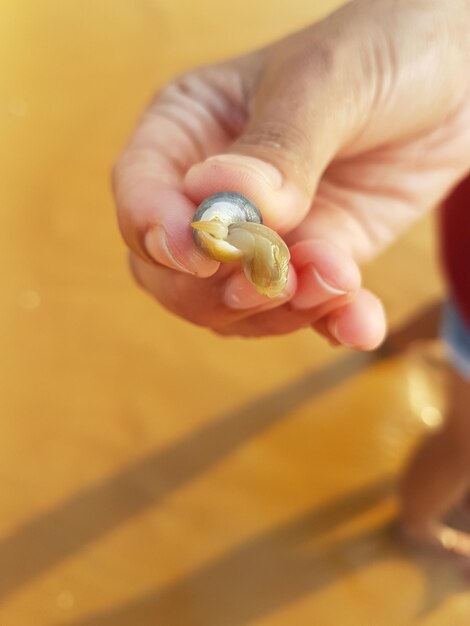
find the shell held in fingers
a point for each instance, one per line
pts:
(228, 227)
(228, 207)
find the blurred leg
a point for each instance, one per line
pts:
(438, 476)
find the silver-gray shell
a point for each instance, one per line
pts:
(229, 207)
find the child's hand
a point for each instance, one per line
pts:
(367, 112)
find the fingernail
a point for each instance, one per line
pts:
(328, 287)
(256, 167)
(157, 247)
(333, 327)
(240, 295)
(314, 290)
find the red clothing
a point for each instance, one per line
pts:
(455, 246)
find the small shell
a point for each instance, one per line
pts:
(228, 227)
(229, 208)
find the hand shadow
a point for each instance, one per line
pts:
(44, 541)
(279, 567)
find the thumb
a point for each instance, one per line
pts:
(365, 76)
(297, 121)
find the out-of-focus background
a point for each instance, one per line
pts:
(151, 473)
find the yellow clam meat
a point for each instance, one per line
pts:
(228, 227)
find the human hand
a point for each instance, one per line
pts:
(342, 134)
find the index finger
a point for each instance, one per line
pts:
(178, 130)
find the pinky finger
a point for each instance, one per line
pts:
(360, 324)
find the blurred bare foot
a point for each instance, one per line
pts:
(437, 537)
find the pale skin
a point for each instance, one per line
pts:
(343, 135)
